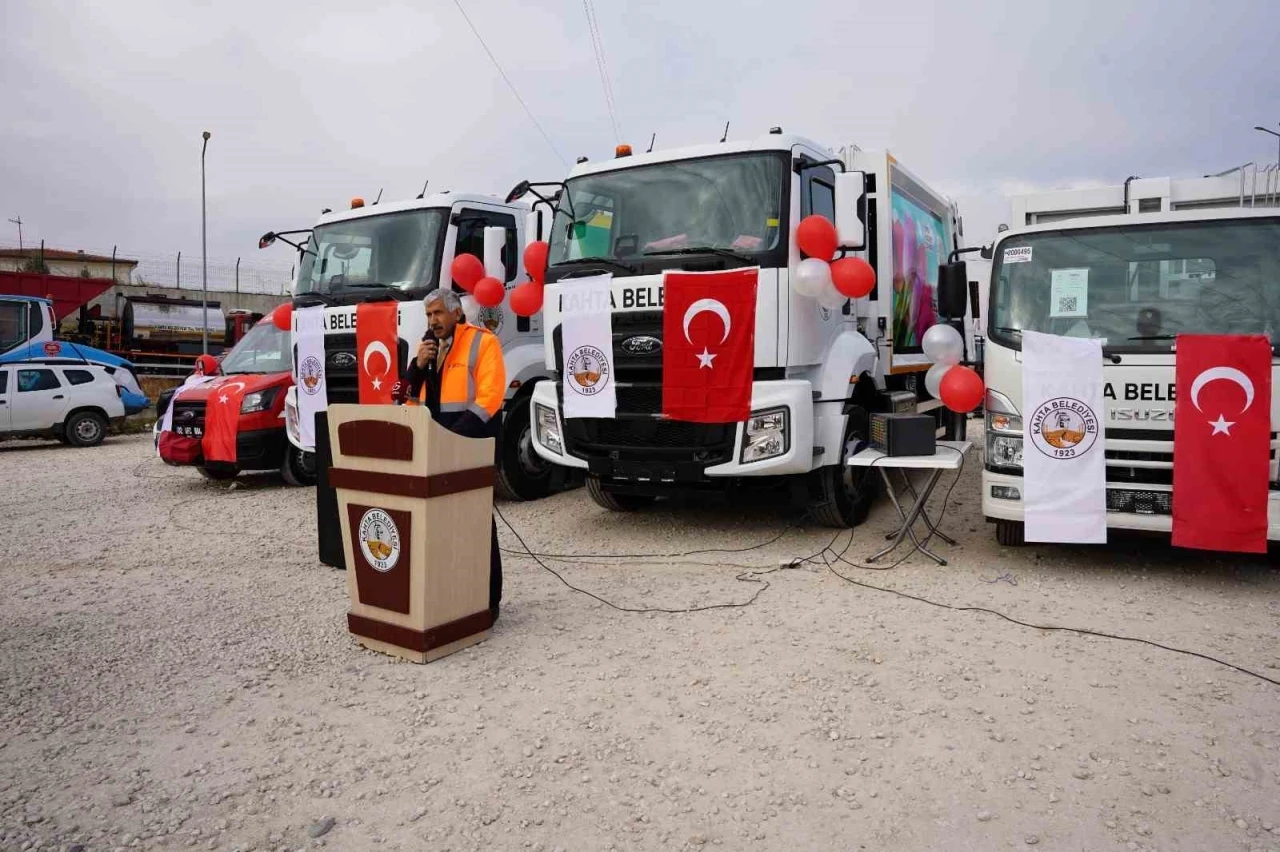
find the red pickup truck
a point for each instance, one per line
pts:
(262, 361)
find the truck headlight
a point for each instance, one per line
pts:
(257, 401)
(1004, 450)
(548, 428)
(766, 435)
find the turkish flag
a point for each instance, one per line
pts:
(222, 420)
(377, 345)
(708, 345)
(1222, 442)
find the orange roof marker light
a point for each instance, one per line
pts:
(357, 202)
(622, 151)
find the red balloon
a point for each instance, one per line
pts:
(207, 365)
(816, 237)
(467, 270)
(526, 300)
(489, 292)
(961, 389)
(535, 260)
(282, 316)
(853, 277)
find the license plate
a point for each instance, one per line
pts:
(190, 431)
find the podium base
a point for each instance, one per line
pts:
(420, 646)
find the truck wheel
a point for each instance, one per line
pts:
(523, 474)
(84, 429)
(298, 467)
(1011, 533)
(845, 494)
(218, 474)
(615, 502)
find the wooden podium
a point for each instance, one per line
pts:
(415, 502)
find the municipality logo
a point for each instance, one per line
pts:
(1064, 428)
(311, 373)
(588, 370)
(490, 318)
(379, 540)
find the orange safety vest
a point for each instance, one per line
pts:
(473, 377)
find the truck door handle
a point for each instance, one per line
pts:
(59, 396)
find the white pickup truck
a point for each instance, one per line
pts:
(72, 403)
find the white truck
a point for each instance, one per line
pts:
(1164, 257)
(402, 250)
(818, 372)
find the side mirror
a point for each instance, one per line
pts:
(535, 225)
(953, 289)
(518, 191)
(495, 239)
(851, 230)
(267, 239)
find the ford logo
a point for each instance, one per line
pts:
(187, 415)
(642, 344)
(342, 359)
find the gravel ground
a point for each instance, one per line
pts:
(177, 674)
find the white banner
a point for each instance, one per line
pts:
(312, 390)
(1064, 491)
(586, 330)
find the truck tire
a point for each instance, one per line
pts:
(1011, 533)
(84, 429)
(298, 467)
(845, 494)
(523, 474)
(615, 502)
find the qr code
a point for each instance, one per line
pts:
(1068, 304)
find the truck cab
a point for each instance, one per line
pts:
(1159, 258)
(402, 251)
(820, 367)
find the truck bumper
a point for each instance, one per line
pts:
(1002, 509)
(290, 413)
(795, 397)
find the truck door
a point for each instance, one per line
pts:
(40, 399)
(5, 395)
(471, 223)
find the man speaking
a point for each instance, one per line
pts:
(458, 373)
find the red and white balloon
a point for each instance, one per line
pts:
(830, 283)
(959, 387)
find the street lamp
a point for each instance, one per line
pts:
(204, 246)
(1273, 133)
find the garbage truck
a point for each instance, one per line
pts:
(819, 371)
(401, 251)
(1157, 257)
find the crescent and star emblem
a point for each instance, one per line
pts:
(223, 388)
(380, 348)
(1222, 426)
(707, 306)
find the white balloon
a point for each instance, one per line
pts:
(832, 298)
(933, 378)
(812, 277)
(942, 344)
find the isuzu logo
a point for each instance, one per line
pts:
(642, 344)
(342, 359)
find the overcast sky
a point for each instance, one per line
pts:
(104, 103)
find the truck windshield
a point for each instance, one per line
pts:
(1139, 286)
(397, 250)
(730, 202)
(265, 349)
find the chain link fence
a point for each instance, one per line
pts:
(182, 270)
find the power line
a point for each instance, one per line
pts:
(511, 85)
(602, 65)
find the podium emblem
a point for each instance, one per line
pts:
(379, 540)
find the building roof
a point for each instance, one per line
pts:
(63, 254)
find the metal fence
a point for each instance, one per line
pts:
(182, 270)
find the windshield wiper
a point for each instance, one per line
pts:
(607, 261)
(722, 252)
(1156, 337)
(367, 285)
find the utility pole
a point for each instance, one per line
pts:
(204, 265)
(18, 222)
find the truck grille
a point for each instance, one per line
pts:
(188, 418)
(1152, 467)
(342, 379)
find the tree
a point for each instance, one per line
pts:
(36, 264)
